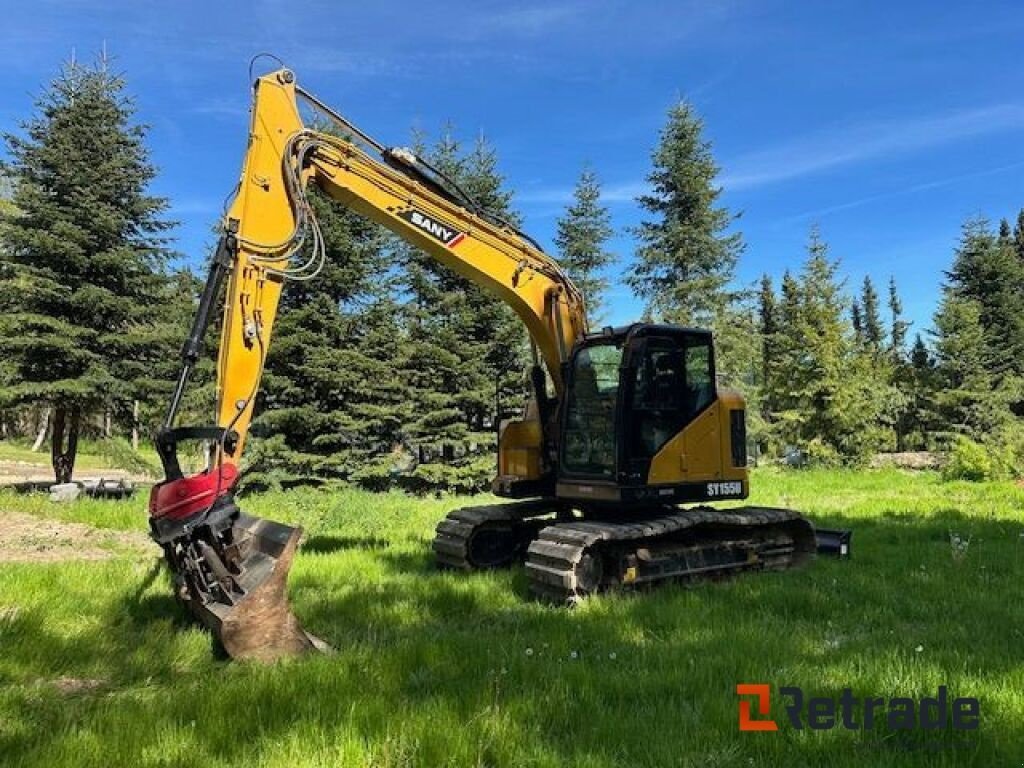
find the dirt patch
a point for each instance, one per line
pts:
(13, 472)
(28, 539)
(69, 686)
(916, 460)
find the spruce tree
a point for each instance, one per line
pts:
(986, 270)
(874, 336)
(330, 405)
(1005, 237)
(899, 372)
(83, 256)
(857, 321)
(466, 347)
(967, 398)
(782, 392)
(687, 254)
(898, 327)
(920, 419)
(831, 402)
(768, 330)
(580, 239)
(1018, 236)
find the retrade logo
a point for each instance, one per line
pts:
(763, 694)
(443, 233)
(819, 713)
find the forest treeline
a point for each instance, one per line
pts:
(389, 370)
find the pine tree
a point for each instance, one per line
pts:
(331, 406)
(986, 270)
(899, 372)
(857, 321)
(580, 240)
(898, 327)
(768, 330)
(687, 256)
(874, 336)
(465, 349)
(83, 257)
(782, 392)
(967, 398)
(1018, 236)
(830, 398)
(920, 419)
(1005, 237)
(146, 360)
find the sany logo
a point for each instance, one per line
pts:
(763, 694)
(447, 235)
(900, 713)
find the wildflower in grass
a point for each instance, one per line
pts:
(612, 656)
(574, 655)
(919, 648)
(529, 651)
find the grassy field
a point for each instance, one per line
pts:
(17, 456)
(99, 667)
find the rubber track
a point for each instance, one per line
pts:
(553, 556)
(451, 540)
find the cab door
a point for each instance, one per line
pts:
(668, 410)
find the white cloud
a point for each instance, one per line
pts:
(526, 21)
(622, 192)
(850, 144)
(910, 190)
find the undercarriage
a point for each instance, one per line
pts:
(568, 557)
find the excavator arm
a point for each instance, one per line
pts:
(231, 568)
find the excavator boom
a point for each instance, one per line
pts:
(231, 569)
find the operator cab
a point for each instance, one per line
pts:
(629, 392)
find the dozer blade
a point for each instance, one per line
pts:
(249, 613)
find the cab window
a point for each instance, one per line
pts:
(589, 441)
(672, 384)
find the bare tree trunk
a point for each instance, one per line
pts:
(135, 425)
(63, 448)
(44, 427)
(106, 423)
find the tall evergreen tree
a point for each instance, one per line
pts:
(901, 376)
(967, 398)
(330, 405)
(768, 330)
(1018, 236)
(874, 336)
(83, 257)
(465, 347)
(857, 321)
(580, 239)
(986, 270)
(830, 399)
(687, 254)
(898, 327)
(1005, 237)
(920, 417)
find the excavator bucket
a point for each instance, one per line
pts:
(251, 618)
(230, 569)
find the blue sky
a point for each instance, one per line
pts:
(885, 123)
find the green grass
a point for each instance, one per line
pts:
(440, 669)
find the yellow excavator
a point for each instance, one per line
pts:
(622, 427)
